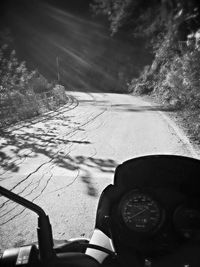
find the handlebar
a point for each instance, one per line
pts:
(69, 253)
(29, 256)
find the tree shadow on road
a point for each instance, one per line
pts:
(145, 108)
(33, 141)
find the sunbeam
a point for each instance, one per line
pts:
(77, 49)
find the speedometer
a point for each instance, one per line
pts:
(140, 212)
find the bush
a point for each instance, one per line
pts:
(60, 94)
(13, 74)
(142, 89)
(182, 75)
(39, 84)
(22, 91)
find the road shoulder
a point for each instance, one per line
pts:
(177, 122)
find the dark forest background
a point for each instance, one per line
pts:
(66, 37)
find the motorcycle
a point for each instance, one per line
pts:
(149, 216)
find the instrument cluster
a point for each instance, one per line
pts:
(148, 222)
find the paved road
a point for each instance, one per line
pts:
(64, 159)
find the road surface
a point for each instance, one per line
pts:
(64, 159)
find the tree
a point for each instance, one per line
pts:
(148, 17)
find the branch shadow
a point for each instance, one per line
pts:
(32, 141)
(145, 108)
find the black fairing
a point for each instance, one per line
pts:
(157, 171)
(172, 180)
(181, 173)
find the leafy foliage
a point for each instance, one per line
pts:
(23, 93)
(144, 17)
(13, 74)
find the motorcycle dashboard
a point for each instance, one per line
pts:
(155, 203)
(151, 223)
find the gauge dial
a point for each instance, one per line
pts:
(187, 221)
(140, 212)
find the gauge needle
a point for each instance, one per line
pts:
(137, 213)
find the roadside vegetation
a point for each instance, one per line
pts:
(23, 93)
(171, 29)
